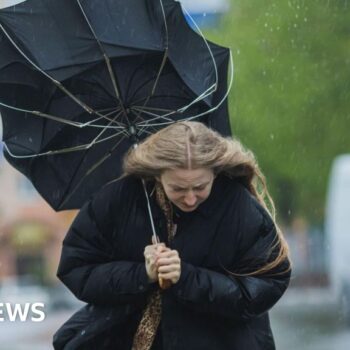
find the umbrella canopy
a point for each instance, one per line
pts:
(82, 81)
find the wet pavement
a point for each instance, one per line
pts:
(309, 322)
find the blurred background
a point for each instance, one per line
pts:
(290, 104)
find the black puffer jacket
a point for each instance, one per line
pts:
(102, 263)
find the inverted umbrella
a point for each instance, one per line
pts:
(82, 81)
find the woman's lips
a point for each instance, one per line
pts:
(189, 207)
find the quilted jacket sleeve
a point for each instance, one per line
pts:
(239, 297)
(87, 266)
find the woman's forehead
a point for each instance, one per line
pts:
(185, 177)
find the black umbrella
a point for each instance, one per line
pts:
(81, 81)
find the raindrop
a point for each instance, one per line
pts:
(272, 136)
(266, 25)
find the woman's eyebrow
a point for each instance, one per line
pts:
(197, 185)
(176, 186)
(202, 184)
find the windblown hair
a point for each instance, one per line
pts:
(192, 145)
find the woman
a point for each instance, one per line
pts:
(222, 262)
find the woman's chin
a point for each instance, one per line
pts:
(187, 208)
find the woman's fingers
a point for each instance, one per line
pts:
(168, 253)
(155, 246)
(154, 249)
(168, 268)
(168, 261)
(162, 262)
(172, 276)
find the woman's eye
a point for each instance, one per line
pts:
(199, 188)
(177, 189)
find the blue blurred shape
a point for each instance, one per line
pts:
(206, 13)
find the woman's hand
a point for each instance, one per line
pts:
(169, 265)
(151, 253)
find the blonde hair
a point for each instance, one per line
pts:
(191, 145)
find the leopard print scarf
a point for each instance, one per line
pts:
(147, 328)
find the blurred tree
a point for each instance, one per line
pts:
(290, 101)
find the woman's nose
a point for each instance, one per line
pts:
(190, 199)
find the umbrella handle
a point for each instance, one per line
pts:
(164, 284)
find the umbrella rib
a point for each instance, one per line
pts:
(142, 85)
(137, 116)
(147, 110)
(165, 53)
(161, 96)
(157, 116)
(107, 109)
(62, 150)
(165, 56)
(162, 65)
(59, 119)
(207, 92)
(54, 81)
(212, 88)
(90, 170)
(130, 81)
(145, 131)
(146, 122)
(57, 83)
(201, 97)
(44, 115)
(106, 58)
(206, 112)
(103, 130)
(119, 125)
(210, 110)
(153, 108)
(206, 43)
(72, 149)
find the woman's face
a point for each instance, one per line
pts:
(187, 189)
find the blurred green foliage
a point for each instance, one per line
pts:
(290, 102)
